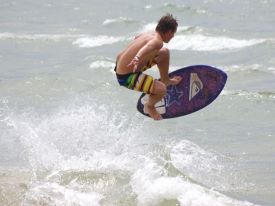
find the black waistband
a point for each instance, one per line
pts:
(122, 76)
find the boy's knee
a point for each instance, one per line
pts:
(163, 55)
(164, 52)
(159, 88)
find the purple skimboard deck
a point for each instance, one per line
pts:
(200, 85)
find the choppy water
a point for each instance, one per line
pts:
(69, 135)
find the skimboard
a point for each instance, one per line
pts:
(200, 85)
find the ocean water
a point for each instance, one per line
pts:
(69, 135)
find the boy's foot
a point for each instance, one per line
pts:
(151, 110)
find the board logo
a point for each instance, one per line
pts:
(195, 85)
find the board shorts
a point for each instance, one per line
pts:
(137, 81)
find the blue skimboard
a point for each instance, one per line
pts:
(200, 85)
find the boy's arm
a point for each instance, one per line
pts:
(151, 46)
(164, 76)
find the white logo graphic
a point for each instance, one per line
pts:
(195, 85)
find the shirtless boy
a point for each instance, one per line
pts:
(145, 51)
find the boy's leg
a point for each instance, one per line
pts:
(158, 92)
(159, 87)
(162, 61)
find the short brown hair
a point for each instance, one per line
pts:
(167, 23)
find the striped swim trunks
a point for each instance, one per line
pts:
(136, 81)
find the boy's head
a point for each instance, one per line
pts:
(167, 23)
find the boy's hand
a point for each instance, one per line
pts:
(134, 64)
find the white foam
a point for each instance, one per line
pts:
(51, 37)
(55, 194)
(88, 42)
(151, 27)
(243, 68)
(152, 187)
(79, 139)
(148, 27)
(149, 6)
(272, 69)
(180, 7)
(199, 42)
(197, 163)
(191, 159)
(117, 20)
(199, 196)
(187, 28)
(102, 64)
(248, 68)
(250, 95)
(89, 138)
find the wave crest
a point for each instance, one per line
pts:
(199, 42)
(88, 42)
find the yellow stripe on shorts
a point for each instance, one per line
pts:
(147, 86)
(139, 83)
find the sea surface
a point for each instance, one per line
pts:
(70, 135)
